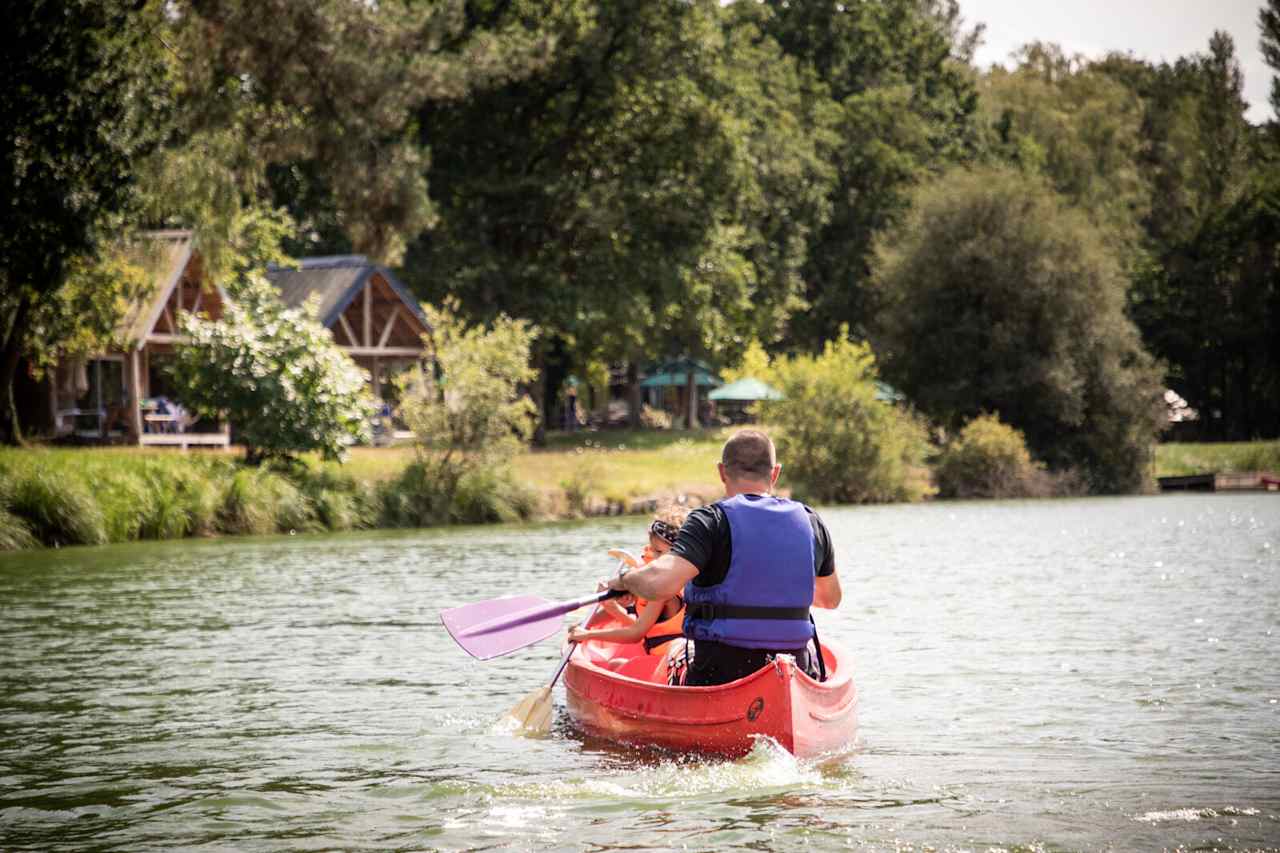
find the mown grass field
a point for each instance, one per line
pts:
(1176, 460)
(617, 465)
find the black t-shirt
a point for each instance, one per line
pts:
(705, 541)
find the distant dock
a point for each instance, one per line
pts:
(1241, 481)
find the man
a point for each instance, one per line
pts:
(750, 565)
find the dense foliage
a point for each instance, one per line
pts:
(84, 91)
(839, 442)
(1000, 298)
(660, 179)
(275, 373)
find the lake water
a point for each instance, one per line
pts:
(1076, 674)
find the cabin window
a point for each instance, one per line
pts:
(101, 394)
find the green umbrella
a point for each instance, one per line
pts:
(746, 389)
(679, 380)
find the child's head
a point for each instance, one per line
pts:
(662, 532)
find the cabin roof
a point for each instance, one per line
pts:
(165, 255)
(336, 280)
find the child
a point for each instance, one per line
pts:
(657, 623)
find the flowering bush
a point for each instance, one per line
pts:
(275, 373)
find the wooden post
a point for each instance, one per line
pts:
(693, 399)
(368, 316)
(51, 376)
(135, 396)
(633, 395)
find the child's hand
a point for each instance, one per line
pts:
(577, 633)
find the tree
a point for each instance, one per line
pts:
(663, 169)
(1200, 296)
(1269, 23)
(337, 86)
(998, 297)
(84, 92)
(464, 405)
(897, 71)
(275, 373)
(1061, 118)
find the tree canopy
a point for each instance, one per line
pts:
(660, 179)
(84, 91)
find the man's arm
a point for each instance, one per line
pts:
(658, 581)
(826, 591)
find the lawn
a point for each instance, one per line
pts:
(1176, 459)
(617, 465)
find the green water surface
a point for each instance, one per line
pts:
(1058, 675)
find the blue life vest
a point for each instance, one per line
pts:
(764, 600)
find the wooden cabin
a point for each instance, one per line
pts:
(123, 396)
(372, 316)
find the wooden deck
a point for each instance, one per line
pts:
(186, 439)
(1240, 481)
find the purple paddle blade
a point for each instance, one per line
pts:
(496, 627)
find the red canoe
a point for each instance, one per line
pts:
(614, 692)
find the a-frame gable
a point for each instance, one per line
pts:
(378, 317)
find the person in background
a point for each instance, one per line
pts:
(750, 567)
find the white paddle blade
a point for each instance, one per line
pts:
(625, 557)
(533, 715)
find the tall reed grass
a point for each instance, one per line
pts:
(85, 496)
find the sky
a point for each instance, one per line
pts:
(1158, 30)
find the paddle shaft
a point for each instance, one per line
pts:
(535, 614)
(573, 644)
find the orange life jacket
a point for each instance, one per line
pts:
(664, 631)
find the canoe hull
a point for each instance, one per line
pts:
(779, 701)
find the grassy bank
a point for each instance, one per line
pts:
(89, 496)
(57, 496)
(1176, 460)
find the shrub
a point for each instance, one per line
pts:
(334, 498)
(127, 501)
(489, 495)
(465, 409)
(14, 532)
(247, 504)
(58, 511)
(412, 499)
(583, 480)
(291, 509)
(838, 441)
(989, 459)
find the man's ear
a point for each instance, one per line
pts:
(773, 476)
(720, 468)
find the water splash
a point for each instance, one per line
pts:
(1190, 815)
